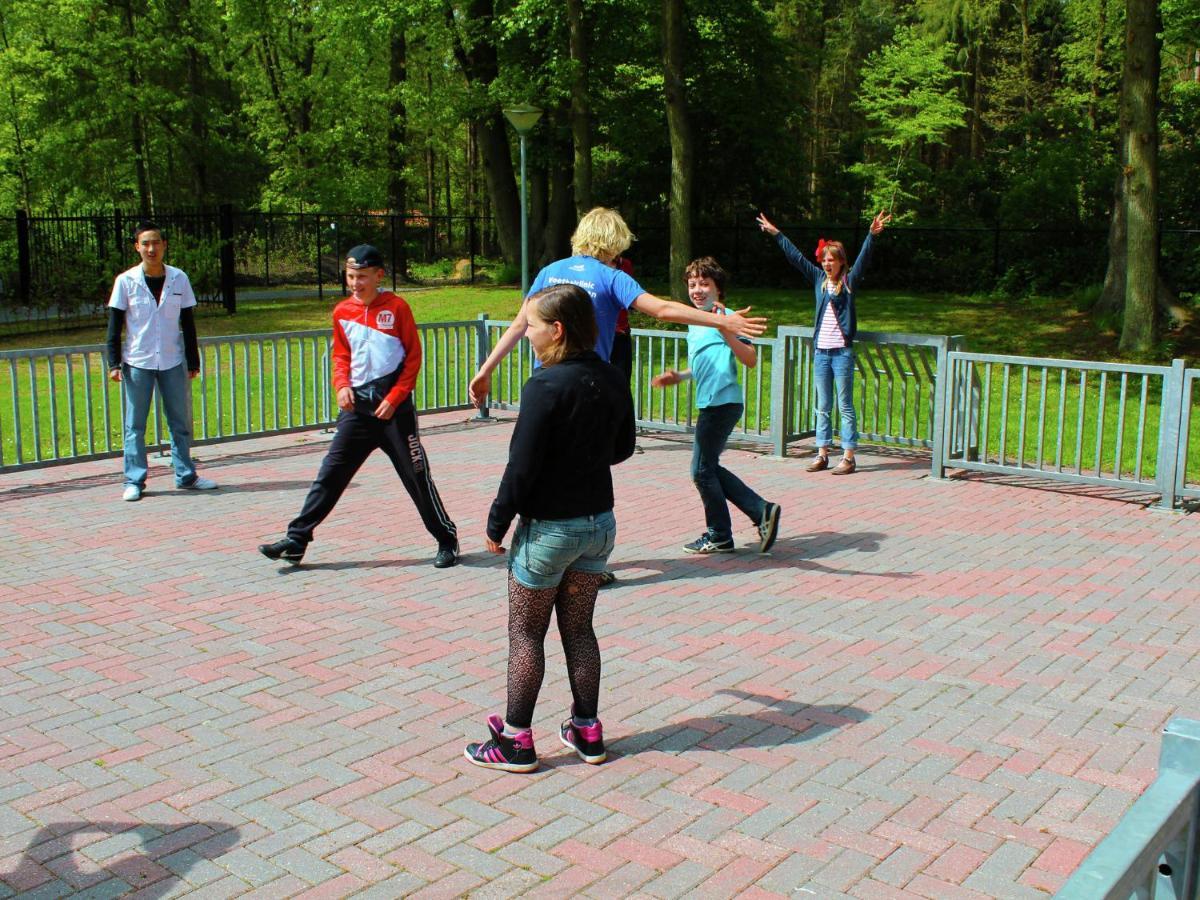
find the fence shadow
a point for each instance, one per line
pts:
(777, 722)
(136, 861)
(1131, 496)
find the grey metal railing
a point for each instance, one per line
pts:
(61, 406)
(1068, 420)
(1189, 439)
(1152, 853)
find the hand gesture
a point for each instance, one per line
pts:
(880, 221)
(114, 374)
(384, 410)
(666, 379)
(765, 224)
(494, 546)
(345, 398)
(740, 324)
(479, 388)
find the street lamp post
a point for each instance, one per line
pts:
(523, 118)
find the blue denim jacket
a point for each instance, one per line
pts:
(843, 303)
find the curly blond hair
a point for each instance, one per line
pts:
(601, 233)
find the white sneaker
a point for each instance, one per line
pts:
(200, 484)
(132, 493)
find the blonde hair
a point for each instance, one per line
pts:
(601, 233)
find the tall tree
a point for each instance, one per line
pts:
(1139, 90)
(682, 145)
(581, 108)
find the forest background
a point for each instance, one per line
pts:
(957, 114)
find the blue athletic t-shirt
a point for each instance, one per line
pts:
(611, 291)
(714, 367)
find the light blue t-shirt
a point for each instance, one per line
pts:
(714, 367)
(611, 291)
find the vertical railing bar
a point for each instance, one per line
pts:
(16, 408)
(1100, 421)
(1024, 409)
(1004, 413)
(33, 409)
(87, 400)
(220, 410)
(105, 403)
(1079, 422)
(287, 361)
(233, 397)
(675, 398)
(316, 386)
(1041, 441)
(53, 382)
(71, 405)
(246, 385)
(987, 410)
(1118, 464)
(1141, 432)
(203, 395)
(262, 387)
(1062, 418)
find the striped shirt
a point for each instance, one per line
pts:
(829, 335)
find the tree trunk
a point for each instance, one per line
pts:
(1112, 296)
(397, 189)
(581, 113)
(480, 66)
(682, 150)
(1140, 85)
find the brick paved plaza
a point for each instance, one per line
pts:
(929, 689)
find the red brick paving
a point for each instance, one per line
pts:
(929, 689)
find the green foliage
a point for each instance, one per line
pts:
(909, 97)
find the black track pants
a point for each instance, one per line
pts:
(358, 435)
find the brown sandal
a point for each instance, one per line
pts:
(845, 467)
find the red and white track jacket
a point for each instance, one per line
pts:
(372, 341)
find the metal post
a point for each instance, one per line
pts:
(943, 388)
(780, 373)
(481, 354)
(1168, 434)
(524, 226)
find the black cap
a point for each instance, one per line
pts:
(364, 256)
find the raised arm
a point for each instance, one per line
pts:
(481, 384)
(864, 253)
(799, 261)
(737, 323)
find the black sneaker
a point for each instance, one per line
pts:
(508, 754)
(586, 740)
(768, 528)
(447, 556)
(705, 544)
(289, 550)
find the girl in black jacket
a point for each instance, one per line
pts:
(576, 421)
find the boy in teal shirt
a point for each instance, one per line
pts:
(714, 357)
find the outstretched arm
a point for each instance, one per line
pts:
(798, 260)
(737, 323)
(481, 384)
(864, 253)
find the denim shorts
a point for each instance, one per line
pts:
(543, 549)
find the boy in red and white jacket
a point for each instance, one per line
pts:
(376, 359)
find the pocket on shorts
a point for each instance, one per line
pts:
(548, 551)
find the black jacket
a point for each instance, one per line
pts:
(576, 421)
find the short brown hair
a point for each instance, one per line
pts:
(707, 267)
(570, 305)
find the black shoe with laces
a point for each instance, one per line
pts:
(447, 556)
(288, 549)
(508, 754)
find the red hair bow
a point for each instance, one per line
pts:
(821, 242)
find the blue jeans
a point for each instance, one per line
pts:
(718, 486)
(835, 368)
(176, 396)
(544, 549)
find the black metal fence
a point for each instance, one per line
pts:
(57, 270)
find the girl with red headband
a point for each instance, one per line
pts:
(833, 340)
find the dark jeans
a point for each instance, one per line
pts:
(622, 353)
(358, 436)
(715, 483)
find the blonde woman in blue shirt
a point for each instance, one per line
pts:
(713, 356)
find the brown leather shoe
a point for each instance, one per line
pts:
(845, 467)
(820, 464)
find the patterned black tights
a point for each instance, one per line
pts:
(528, 620)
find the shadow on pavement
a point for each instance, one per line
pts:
(777, 722)
(793, 552)
(136, 857)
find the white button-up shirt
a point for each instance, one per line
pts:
(153, 339)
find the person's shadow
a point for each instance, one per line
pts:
(797, 552)
(136, 856)
(776, 722)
